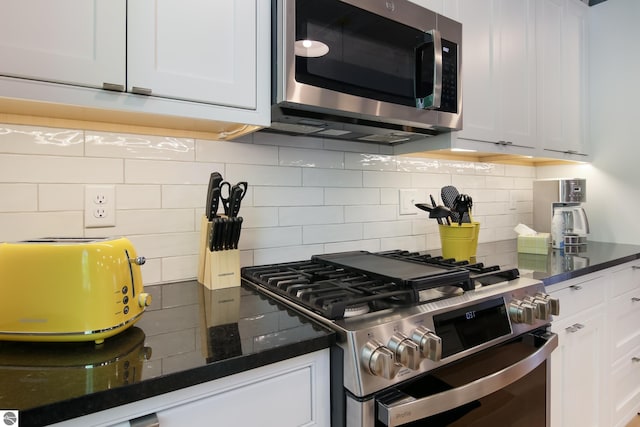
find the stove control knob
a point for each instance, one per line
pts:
(541, 308)
(554, 303)
(521, 312)
(406, 351)
(429, 343)
(379, 360)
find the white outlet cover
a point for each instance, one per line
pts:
(407, 201)
(99, 206)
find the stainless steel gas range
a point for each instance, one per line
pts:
(423, 340)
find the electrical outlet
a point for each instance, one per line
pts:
(99, 206)
(407, 202)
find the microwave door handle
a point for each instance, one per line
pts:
(437, 68)
(423, 100)
(407, 409)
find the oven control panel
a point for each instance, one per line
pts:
(456, 331)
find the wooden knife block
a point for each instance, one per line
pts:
(216, 269)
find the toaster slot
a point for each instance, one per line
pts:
(130, 261)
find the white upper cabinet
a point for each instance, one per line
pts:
(64, 41)
(562, 78)
(499, 68)
(205, 52)
(448, 8)
(193, 59)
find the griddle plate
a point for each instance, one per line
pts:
(408, 273)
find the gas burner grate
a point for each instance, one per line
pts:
(341, 284)
(329, 290)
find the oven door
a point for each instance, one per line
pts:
(506, 385)
(360, 50)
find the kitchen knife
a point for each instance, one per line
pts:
(228, 233)
(218, 234)
(238, 229)
(212, 237)
(213, 195)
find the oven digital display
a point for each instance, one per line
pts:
(468, 327)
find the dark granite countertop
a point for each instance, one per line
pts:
(189, 335)
(192, 335)
(557, 266)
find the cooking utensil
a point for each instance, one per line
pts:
(462, 206)
(441, 212)
(438, 212)
(433, 203)
(448, 194)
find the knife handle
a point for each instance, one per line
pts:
(212, 236)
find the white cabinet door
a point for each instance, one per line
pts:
(562, 78)
(448, 8)
(290, 393)
(514, 47)
(75, 42)
(499, 81)
(577, 380)
(195, 50)
(479, 76)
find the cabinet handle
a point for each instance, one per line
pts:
(635, 267)
(503, 143)
(150, 420)
(635, 359)
(576, 287)
(635, 299)
(571, 152)
(113, 86)
(574, 328)
(141, 90)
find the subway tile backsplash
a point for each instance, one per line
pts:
(306, 195)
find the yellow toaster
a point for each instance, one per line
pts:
(69, 289)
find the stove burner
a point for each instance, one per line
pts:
(356, 310)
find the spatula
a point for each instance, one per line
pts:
(448, 195)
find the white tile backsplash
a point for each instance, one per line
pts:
(18, 197)
(127, 146)
(60, 197)
(306, 195)
(41, 140)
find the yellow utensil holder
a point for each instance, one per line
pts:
(459, 241)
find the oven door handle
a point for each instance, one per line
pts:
(408, 409)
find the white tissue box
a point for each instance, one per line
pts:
(535, 244)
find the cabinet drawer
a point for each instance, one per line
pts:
(579, 296)
(625, 390)
(625, 280)
(624, 318)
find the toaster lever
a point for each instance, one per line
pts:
(138, 260)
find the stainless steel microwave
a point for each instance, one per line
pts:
(382, 71)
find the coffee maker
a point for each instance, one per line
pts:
(557, 209)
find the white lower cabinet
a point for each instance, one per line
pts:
(577, 368)
(290, 393)
(624, 343)
(595, 371)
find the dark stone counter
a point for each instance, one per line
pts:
(190, 335)
(557, 265)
